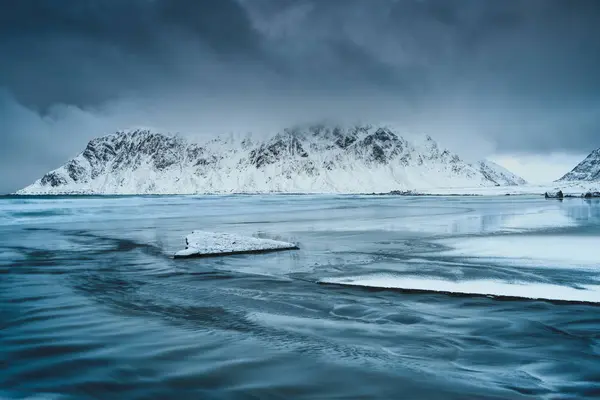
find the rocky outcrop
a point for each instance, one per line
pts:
(554, 194)
(591, 195)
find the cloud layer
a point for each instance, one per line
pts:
(515, 76)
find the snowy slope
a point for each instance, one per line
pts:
(498, 174)
(317, 159)
(587, 170)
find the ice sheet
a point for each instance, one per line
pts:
(540, 250)
(539, 219)
(525, 290)
(201, 243)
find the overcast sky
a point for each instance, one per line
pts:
(515, 80)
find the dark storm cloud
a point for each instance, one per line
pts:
(513, 75)
(88, 51)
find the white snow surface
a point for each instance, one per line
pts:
(482, 287)
(215, 243)
(316, 159)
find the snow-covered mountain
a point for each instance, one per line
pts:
(317, 159)
(587, 170)
(499, 174)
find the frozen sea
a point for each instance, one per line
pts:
(387, 298)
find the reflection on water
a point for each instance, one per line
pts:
(92, 306)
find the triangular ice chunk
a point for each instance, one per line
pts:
(210, 244)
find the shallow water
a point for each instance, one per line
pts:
(92, 305)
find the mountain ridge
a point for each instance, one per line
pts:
(499, 174)
(317, 159)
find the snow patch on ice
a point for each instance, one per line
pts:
(525, 290)
(541, 251)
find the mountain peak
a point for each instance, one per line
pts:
(587, 170)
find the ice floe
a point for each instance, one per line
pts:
(207, 244)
